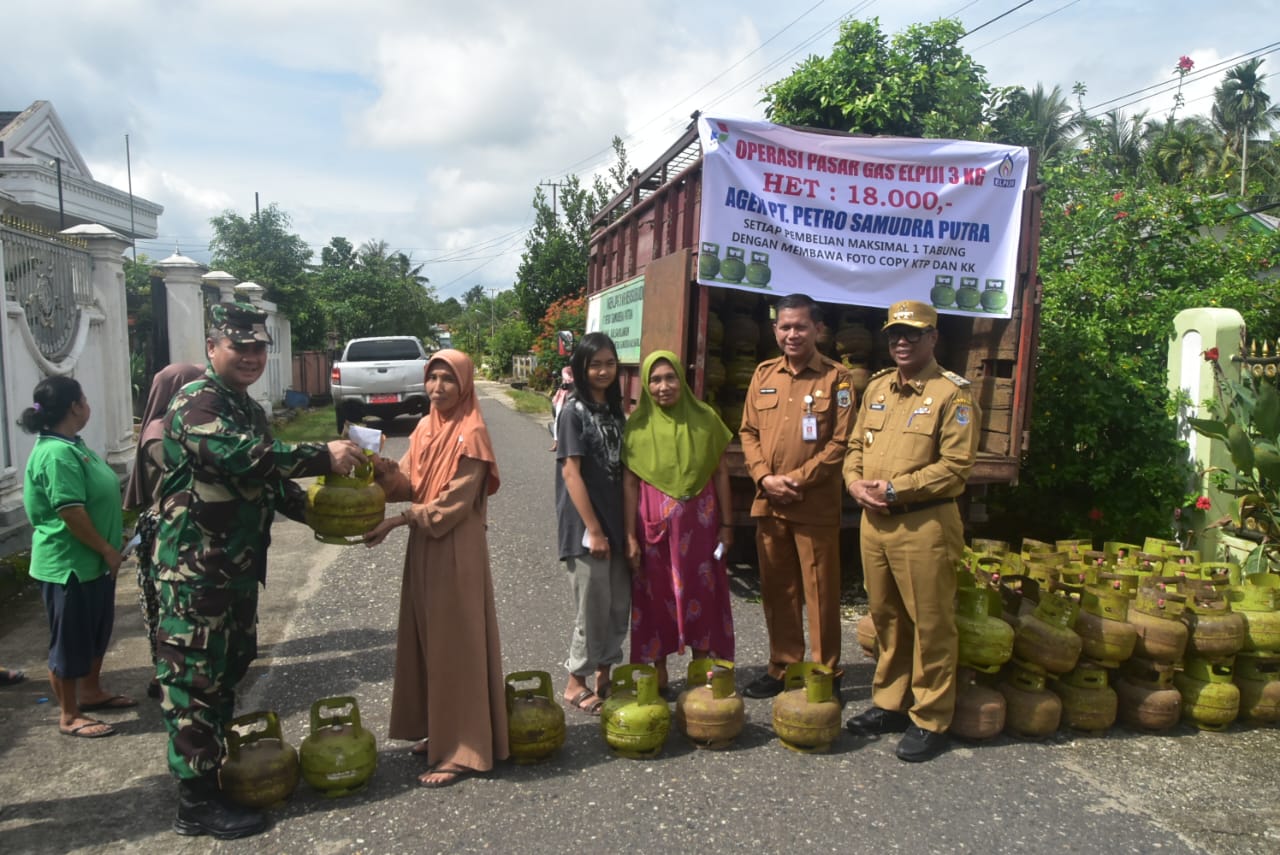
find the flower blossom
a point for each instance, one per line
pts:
(1117, 196)
(1120, 215)
(1202, 503)
(1095, 515)
(1185, 64)
(1211, 355)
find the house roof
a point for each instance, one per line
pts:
(45, 180)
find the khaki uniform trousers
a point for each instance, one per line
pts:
(799, 563)
(908, 566)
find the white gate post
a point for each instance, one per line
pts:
(107, 250)
(185, 305)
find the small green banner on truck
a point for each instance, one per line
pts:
(618, 313)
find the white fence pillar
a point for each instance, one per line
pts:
(1195, 331)
(107, 249)
(184, 303)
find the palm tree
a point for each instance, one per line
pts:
(1118, 139)
(1241, 107)
(1180, 148)
(1053, 124)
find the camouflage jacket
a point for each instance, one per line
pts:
(224, 478)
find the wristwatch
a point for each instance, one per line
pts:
(890, 494)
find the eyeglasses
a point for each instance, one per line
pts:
(910, 334)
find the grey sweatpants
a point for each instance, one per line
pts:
(601, 590)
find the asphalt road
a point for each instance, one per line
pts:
(327, 629)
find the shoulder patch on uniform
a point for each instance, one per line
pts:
(955, 378)
(884, 371)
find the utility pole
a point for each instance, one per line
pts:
(555, 192)
(493, 292)
(133, 233)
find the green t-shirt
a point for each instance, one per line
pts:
(63, 473)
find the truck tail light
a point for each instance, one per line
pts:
(335, 376)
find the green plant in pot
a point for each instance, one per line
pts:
(1247, 421)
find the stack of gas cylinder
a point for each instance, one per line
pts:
(262, 770)
(740, 335)
(1060, 635)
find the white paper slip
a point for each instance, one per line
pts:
(586, 540)
(370, 439)
(719, 553)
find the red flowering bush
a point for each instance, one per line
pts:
(567, 313)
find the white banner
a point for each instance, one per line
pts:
(860, 220)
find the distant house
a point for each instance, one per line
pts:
(45, 181)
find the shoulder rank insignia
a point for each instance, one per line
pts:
(955, 378)
(884, 371)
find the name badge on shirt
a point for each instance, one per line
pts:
(809, 428)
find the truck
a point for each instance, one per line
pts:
(381, 376)
(646, 257)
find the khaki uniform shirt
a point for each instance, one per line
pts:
(922, 434)
(773, 442)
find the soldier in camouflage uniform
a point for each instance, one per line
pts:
(224, 479)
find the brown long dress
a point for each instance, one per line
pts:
(448, 676)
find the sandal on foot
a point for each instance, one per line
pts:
(419, 748)
(115, 702)
(587, 702)
(11, 676)
(91, 729)
(452, 776)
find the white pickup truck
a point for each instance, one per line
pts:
(383, 377)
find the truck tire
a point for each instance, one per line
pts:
(342, 422)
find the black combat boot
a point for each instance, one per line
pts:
(203, 809)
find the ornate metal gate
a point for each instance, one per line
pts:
(50, 276)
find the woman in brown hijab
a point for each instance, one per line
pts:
(144, 488)
(448, 693)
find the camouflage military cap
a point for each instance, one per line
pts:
(242, 323)
(911, 313)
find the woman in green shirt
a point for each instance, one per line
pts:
(72, 498)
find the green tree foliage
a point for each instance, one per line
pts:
(1042, 120)
(263, 250)
(919, 84)
(372, 291)
(554, 264)
(137, 294)
(1120, 257)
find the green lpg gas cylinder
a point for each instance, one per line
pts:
(260, 769)
(1210, 700)
(806, 715)
(710, 712)
(986, 642)
(1258, 679)
(635, 719)
(535, 721)
(338, 756)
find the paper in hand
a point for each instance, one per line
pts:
(370, 439)
(130, 546)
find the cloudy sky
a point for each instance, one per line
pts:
(428, 124)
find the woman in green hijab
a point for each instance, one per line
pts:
(677, 514)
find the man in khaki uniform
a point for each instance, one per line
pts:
(795, 424)
(910, 454)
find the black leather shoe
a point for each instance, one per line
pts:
(919, 745)
(875, 721)
(204, 809)
(764, 686)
